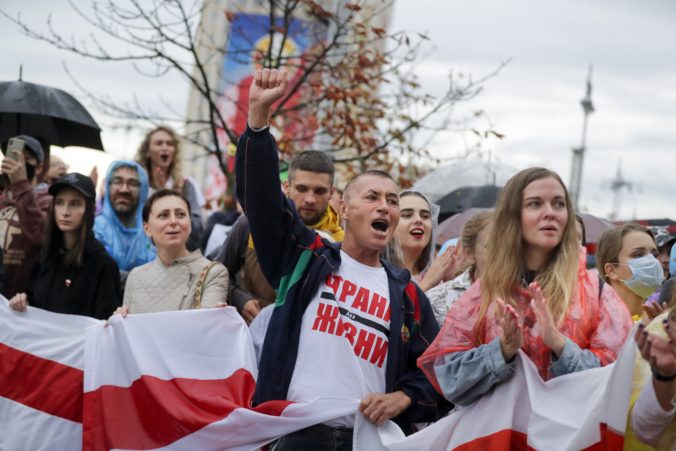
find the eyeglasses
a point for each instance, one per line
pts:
(132, 184)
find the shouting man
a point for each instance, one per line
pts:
(345, 324)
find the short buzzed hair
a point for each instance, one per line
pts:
(373, 172)
(312, 161)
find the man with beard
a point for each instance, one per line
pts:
(309, 186)
(120, 226)
(23, 212)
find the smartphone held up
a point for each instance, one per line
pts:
(15, 148)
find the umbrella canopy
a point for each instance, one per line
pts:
(46, 113)
(470, 172)
(466, 197)
(452, 227)
(595, 226)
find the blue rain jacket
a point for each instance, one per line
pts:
(129, 246)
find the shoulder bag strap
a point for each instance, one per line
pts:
(199, 289)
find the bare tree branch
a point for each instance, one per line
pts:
(354, 92)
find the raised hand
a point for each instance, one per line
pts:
(456, 263)
(443, 268)
(642, 342)
(653, 309)
(662, 357)
(670, 329)
(644, 339)
(550, 334)
(511, 337)
(94, 175)
(15, 169)
(159, 177)
(268, 86)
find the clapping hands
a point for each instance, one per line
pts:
(550, 334)
(511, 337)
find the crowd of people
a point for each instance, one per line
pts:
(358, 279)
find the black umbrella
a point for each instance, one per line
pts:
(467, 197)
(49, 114)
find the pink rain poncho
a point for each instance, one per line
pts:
(596, 322)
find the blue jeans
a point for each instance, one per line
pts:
(319, 437)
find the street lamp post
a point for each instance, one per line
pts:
(578, 152)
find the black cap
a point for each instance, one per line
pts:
(662, 236)
(75, 180)
(34, 146)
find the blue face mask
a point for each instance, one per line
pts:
(672, 262)
(647, 275)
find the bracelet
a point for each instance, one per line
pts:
(260, 129)
(659, 377)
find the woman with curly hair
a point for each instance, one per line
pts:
(160, 155)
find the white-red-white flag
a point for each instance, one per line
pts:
(41, 376)
(183, 381)
(586, 410)
(172, 380)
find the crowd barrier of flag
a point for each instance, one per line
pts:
(184, 381)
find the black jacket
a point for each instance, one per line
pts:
(296, 261)
(92, 290)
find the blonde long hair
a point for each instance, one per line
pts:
(506, 266)
(143, 157)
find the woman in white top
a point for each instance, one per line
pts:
(415, 237)
(177, 279)
(474, 240)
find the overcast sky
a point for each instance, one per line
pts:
(534, 100)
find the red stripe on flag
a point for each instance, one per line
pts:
(509, 440)
(42, 384)
(504, 440)
(153, 413)
(610, 440)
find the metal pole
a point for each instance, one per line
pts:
(578, 152)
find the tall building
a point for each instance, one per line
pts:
(234, 37)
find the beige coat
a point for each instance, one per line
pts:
(156, 287)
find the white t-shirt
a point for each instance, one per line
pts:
(343, 345)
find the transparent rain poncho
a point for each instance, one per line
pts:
(596, 322)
